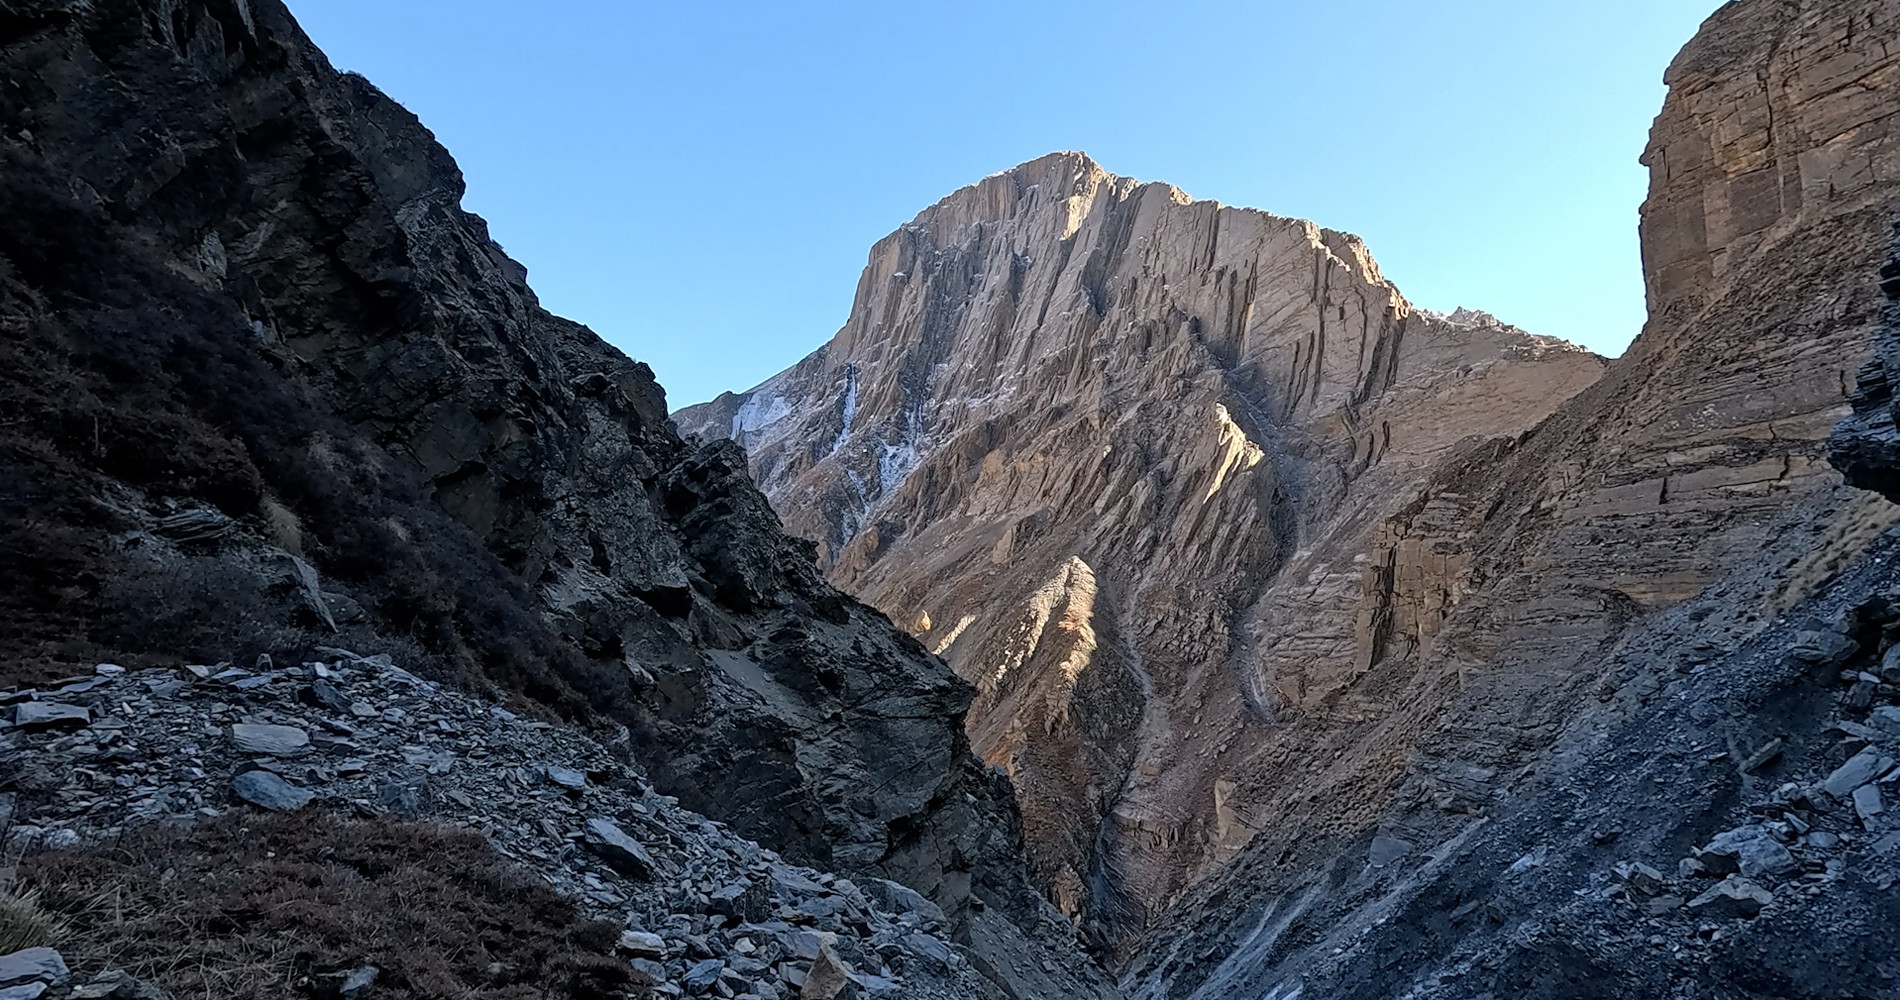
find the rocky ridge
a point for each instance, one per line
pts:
(1097, 443)
(1367, 711)
(1667, 547)
(266, 384)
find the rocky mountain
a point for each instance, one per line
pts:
(1338, 649)
(1098, 444)
(370, 632)
(266, 387)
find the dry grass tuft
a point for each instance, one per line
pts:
(24, 923)
(261, 907)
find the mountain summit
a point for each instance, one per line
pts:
(1305, 621)
(1116, 454)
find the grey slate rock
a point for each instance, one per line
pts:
(827, 979)
(803, 945)
(401, 798)
(327, 695)
(566, 777)
(1862, 768)
(621, 852)
(262, 788)
(1822, 648)
(701, 978)
(1749, 850)
(1642, 878)
(931, 948)
(270, 741)
(741, 902)
(36, 715)
(33, 965)
(901, 899)
(643, 944)
(1868, 804)
(1732, 897)
(24, 991)
(1885, 720)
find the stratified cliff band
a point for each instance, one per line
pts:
(1284, 600)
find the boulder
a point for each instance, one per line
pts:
(33, 965)
(741, 902)
(827, 979)
(1822, 648)
(1641, 877)
(566, 777)
(36, 715)
(1868, 804)
(620, 851)
(643, 944)
(270, 741)
(1732, 897)
(703, 976)
(1748, 850)
(1859, 770)
(902, 899)
(267, 790)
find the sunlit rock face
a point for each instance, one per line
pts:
(1254, 564)
(1619, 579)
(1156, 475)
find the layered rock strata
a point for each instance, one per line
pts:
(1266, 570)
(1680, 619)
(268, 383)
(1120, 456)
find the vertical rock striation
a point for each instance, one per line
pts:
(1259, 572)
(1119, 456)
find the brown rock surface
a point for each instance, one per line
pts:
(1130, 462)
(1692, 477)
(1248, 559)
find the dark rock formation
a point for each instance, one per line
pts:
(265, 383)
(1866, 446)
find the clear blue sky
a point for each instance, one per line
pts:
(700, 181)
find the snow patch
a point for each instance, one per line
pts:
(850, 407)
(756, 414)
(853, 519)
(895, 462)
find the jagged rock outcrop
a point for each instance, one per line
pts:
(266, 383)
(1376, 682)
(1866, 446)
(1678, 612)
(1098, 444)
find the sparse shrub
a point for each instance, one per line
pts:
(24, 923)
(255, 907)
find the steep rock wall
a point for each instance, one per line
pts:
(1252, 564)
(1629, 564)
(241, 291)
(1120, 457)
